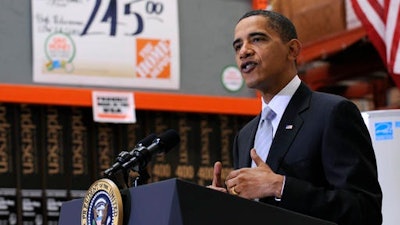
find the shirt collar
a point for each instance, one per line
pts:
(280, 101)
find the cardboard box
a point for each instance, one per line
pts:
(314, 19)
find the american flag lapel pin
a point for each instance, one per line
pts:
(289, 127)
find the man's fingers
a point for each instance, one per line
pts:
(256, 158)
(221, 189)
(217, 181)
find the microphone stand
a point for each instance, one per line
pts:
(119, 177)
(140, 168)
(140, 178)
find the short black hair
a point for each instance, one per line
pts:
(276, 21)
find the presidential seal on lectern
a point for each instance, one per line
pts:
(102, 204)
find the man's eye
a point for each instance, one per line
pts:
(236, 47)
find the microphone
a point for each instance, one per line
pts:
(125, 156)
(163, 144)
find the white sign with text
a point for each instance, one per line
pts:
(113, 43)
(113, 107)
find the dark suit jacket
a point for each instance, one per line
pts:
(323, 147)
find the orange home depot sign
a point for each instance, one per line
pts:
(153, 58)
(260, 4)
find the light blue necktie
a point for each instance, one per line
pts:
(263, 140)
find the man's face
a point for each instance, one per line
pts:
(260, 54)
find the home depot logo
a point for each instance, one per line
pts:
(153, 58)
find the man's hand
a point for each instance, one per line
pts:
(217, 183)
(253, 183)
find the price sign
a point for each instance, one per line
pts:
(124, 43)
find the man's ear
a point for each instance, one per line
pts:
(294, 46)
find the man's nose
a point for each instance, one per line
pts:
(245, 51)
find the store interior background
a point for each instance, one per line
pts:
(337, 58)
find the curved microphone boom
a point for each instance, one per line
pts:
(163, 144)
(125, 156)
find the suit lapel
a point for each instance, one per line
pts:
(289, 125)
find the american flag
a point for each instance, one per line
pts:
(382, 23)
